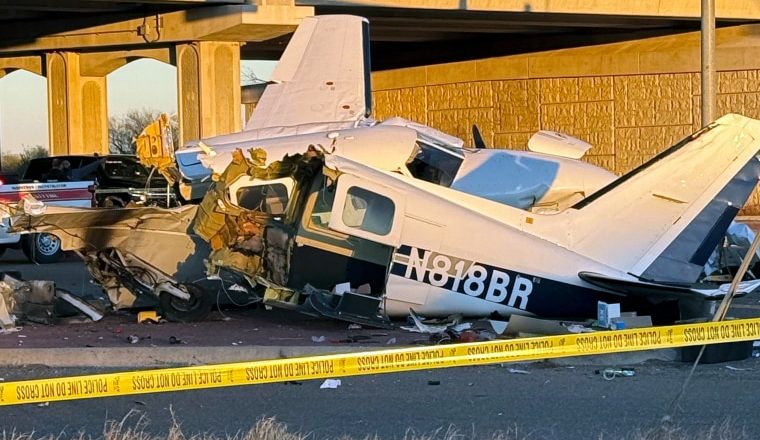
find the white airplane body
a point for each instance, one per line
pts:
(411, 219)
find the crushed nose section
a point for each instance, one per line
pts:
(259, 239)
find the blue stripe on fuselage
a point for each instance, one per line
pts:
(540, 296)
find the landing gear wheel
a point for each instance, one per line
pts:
(43, 248)
(180, 310)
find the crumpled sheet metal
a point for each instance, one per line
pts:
(38, 301)
(155, 148)
(236, 235)
(160, 236)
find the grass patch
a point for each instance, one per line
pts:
(134, 426)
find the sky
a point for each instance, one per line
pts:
(140, 84)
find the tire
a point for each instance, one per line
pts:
(178, 310)
(113, 202)
(43, 248)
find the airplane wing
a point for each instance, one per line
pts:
(323, 78)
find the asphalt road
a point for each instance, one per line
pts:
(69, 274)
(540, 400)
(550, 401)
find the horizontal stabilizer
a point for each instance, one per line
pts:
(662, 292)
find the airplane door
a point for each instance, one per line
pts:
(367, 210)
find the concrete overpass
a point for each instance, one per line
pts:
(76, 43)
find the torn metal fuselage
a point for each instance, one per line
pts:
(139, 256)
(260, 234)
(269, 222)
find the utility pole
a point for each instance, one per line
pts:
(708, 75)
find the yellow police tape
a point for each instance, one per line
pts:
(373, 362)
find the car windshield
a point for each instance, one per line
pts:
(124, 168)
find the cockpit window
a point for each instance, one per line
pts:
(433, 165)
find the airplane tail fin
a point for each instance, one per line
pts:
(322, 77)
(661, 221)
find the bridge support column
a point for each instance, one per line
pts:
(77, 107)
(208, 89)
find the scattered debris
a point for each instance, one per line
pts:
(520, 325)
(173, 340)
(611, 373)
(453, 329)
(41, 302)
(732, 368)
(330, 384)
(434, 382)
(354, 327)
(517, 371)
(607, 314)
(149, 316)
(420, 327)
(350, 339)
(133, 339)
(318, 339)
(390, 341)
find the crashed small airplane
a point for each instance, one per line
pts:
(319, 208)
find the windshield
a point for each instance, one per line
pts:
(433, 164)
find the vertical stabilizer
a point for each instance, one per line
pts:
(322, 78)
(661, 221)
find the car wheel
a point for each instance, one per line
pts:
(180, 310)
(43, 248)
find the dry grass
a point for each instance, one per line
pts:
(134, 426)
(722, 431)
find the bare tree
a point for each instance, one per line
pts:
(249, 77)
(15, 163)
(124, 129)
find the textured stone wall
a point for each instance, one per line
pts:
(627, 117)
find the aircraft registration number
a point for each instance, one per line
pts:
(463, 276)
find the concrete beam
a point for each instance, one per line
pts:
(29, 63)
(221, 23)
(103, 63)
(725, 9)
(738, 48)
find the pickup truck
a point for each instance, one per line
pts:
(92, 181)
(120, 179)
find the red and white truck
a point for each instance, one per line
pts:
(43, 248)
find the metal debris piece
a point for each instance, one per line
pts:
(149, 316)
(330, 384)
(612, 373)
(41, 302)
